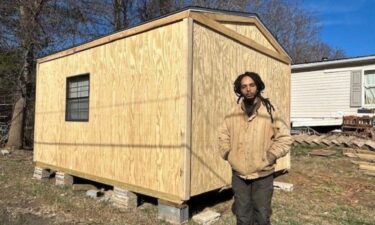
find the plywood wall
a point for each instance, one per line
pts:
(137, 116)
(250, 31)
(217, 61)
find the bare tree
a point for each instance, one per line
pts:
(295, 28)
(9, 65)
(28, 13)
(149, 9)
(121, 13)
(37, 27)
(232, 5)
(318, 51)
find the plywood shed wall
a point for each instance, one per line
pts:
(157, 95)
(137, 104)
(217, 61)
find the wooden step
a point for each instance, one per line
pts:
(370, 168)
(366, 157)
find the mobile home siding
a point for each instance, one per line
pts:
(321, 95)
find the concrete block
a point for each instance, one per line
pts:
(107, 196)
(206, 218)
(63, 179)
(4, 152)
(40, 173)
(108, 193)
(94, 193)
(175, 214)
(124, 199)
(283, 186)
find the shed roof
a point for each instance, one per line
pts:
(208, 17)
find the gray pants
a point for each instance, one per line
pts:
(252, 200)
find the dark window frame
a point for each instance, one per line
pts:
(77, 78)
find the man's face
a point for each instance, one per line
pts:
(248, 88)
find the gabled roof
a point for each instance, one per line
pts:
(208, 17)
(336, 63)
(244, 18)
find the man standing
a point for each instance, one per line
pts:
(252, 137)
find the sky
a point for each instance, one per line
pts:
(346, 24)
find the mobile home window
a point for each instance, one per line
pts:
(369, 84)
(77, 98)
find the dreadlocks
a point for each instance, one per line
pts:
(260, 87)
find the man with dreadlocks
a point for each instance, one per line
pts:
(252, 137)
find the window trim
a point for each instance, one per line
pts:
(363, 87)
(78, 76)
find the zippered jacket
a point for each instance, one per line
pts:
(245, 141)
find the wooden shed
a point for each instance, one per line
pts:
(139, 109)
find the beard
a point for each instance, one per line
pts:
(249, 105)
(249, 100)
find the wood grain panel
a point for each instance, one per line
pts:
(250, 31)
(217, 61)
(119, 35)
(135, 124)
(218, 27)
(248, 19)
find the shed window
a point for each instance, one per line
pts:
(369, 86)
(77, 98)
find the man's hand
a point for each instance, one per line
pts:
(271, 158)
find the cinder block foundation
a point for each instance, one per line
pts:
(172, 213)
(40, 173)
(124, 199)
(63, 179)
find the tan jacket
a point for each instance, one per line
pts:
(244, 141)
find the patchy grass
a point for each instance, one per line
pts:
(300, 150)
(327, 190)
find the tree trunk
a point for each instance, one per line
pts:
(26, 80)
(120, 13)
(15, 132)
(117, 8)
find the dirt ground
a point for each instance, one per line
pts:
(327, 191)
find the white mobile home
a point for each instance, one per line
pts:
(323, 92)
